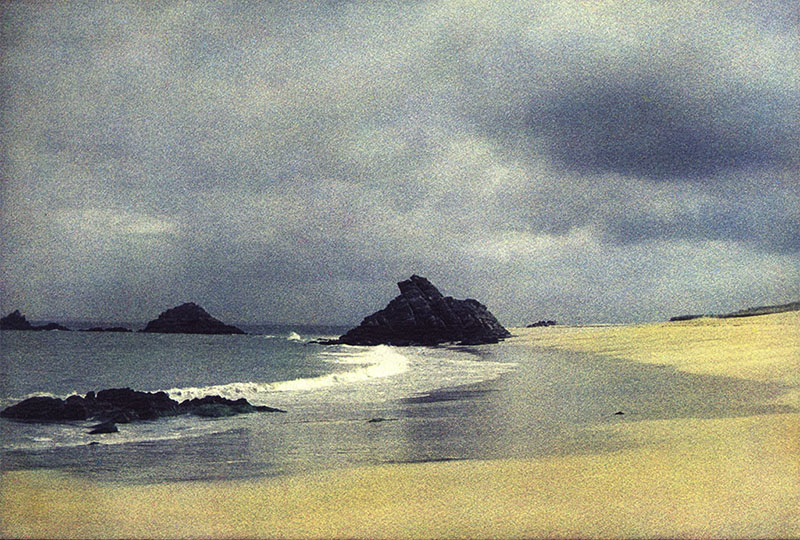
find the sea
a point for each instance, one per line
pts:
(335, 396)
(345, 406)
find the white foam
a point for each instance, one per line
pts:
(374, 363)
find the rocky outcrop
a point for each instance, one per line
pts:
(421, 315)
(123, 405)
(189, 318)
(17, 321)
(109, 329)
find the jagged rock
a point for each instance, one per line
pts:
(17, 321)
(189, 318)
(420, 315)
(123, 405)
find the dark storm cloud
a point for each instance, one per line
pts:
(643, 128)
(288, 161)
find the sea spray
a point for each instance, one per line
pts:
(372, 362)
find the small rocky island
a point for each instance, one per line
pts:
(107, 329)
(17, 321)
(539, 324)
(123, 405)
(189, 318)
(421, 315)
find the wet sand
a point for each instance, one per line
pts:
(680, 475)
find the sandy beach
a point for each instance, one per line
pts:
(720, 476)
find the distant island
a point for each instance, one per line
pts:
(17, 321)
(421, 315)
(749, 312)
(189, 318)
(111, 329)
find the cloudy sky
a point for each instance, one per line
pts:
(290, 161)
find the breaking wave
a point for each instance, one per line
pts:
(369, 363)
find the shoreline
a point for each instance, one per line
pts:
(736, 476)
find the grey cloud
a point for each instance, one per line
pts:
(265, 153)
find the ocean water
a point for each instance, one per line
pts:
(345, 406)
(324, 389)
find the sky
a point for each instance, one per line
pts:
(289, 162)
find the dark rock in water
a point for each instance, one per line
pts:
(17, 321)
(420, 315)
(537, 324)
(111, 329)
(123, 405)
(105, 427)
(52, 326)
(214, 410)
(40, 409)
(189, 318)
(217, 406)
(138, 405)
(75, 408)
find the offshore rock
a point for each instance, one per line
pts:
(421, 315)
(538, 324)
(189, 318)
(17, 321)
(109, 329)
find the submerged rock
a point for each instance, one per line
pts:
(189, 318)
(421, 315)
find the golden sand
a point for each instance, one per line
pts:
(764, 348)
(730, 477)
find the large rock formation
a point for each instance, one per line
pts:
(17, 321)
(422, 316)
(189, 318)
